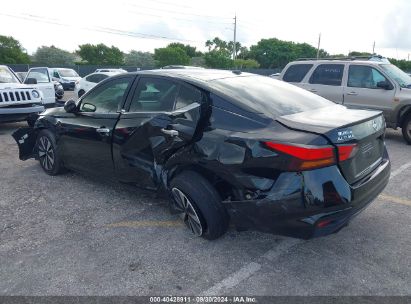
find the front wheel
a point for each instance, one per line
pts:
(406, 129)
(199, 205)
(47, 153)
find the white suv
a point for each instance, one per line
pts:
(18, 102)
(363, 84)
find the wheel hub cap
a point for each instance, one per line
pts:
(46, 153)
(187, 212)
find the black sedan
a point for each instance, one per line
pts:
(225, 146)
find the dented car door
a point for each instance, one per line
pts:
(161, 117)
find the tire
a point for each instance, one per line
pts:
(203, 199)
(406, 129)
(80, 93)
(47, 153)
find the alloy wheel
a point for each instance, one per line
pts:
(408, 128)
(46, 153)
(187, 212)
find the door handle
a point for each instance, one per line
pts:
(103, 131)
(172, 133)
(352, 93)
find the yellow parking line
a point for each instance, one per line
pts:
(395, 199)
(138, 224)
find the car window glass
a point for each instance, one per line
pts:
(328, 74)
(107, 97)
(55, 74)
(40, 75)
(187, 96)
(297, 72)
(361, 76)
(154, 95)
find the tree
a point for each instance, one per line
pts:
(100, 54)
(11, 51)
(220, 59)
(52, 56)
(359, 54)
(246, 64)
(275, 53)
(140, 59)
(191, 51)
(171, 55)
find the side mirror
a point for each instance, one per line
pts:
(384, 85)
(30, 81)
(70, 106)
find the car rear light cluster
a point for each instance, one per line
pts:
(312, 157)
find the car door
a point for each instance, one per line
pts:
(326, 81)
(362, 92)
(86, 137)
(44, 83)
(161, 118)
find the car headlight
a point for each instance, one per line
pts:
(35, 94)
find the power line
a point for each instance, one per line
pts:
(100, 29)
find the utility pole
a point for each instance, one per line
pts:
(318, 48)
(235, 38)
(373, 48)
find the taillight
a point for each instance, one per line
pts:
(305, 157)
(346, 151)
(312, 157)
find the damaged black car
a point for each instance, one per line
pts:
(225, 146)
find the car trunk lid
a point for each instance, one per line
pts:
(342, 126)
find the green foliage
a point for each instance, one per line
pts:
(246, 64)
(11, 51)
(404, 65)
(359, 54)
(191, 51)
(171, 55)
(52, 56)
(218, 59)
(198, 61)
(140, 59)
(100, 54)
(275, 53)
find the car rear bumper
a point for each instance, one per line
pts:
(310, 204)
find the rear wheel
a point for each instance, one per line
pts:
(199, 205)
(47, 153)
(406, 129)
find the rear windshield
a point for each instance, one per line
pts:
(259, 94)
(68, 73)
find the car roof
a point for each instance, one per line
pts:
(325, 61)
(106, 73)
(194, 75)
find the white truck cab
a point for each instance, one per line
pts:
(42, 79)
(18, 102)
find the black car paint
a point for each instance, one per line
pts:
(222, 142)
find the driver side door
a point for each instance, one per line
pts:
(87, 136)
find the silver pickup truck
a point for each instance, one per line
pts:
(18, 102)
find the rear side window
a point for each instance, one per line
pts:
(154, 95)
(328, 74)
(187, 96)
(93, 78)
(297, 72)
(260, 94)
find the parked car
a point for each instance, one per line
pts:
(110, 71)
(88, 82)
(225, 146)
(361, 84)
(18, 102)
(42, 78)
(67, 77)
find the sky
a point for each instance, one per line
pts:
(145, 25)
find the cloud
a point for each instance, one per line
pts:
(397, 27)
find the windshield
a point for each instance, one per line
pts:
(398, 75)
(6, 76)
(68, 73)
(260, 94)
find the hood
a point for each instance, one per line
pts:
(8, 86)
